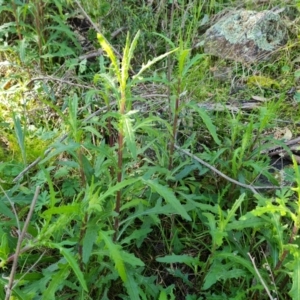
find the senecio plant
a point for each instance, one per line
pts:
(128, 205)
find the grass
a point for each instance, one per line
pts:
(117, 183)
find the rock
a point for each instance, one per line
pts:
(246, 36)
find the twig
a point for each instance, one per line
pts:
(260, 278)
(247, 186)
(275, 150)
(27, 271)
(59, 80)
(93, 24)
(19, 243)
(24, 249)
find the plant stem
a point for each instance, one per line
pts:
(19, 243)
(175, 121)
(120, 163)
(14, 7)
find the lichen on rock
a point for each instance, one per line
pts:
(246, 36)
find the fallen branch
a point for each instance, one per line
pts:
(19, 243)
(247, 186)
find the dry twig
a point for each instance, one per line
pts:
(19, 243)
(247, 186)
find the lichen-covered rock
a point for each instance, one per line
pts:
(246, 36)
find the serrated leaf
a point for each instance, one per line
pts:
(57, 280)
(232, 257)
(4, 247)
(69, 256)
(218, 272)
(158, 209)
(137, 235)
(132, 286)
(129, 135)
(216, 233)
(169, 197)
(63, 209)
(232, 211)
(5, 210)
(20, 136)
(22, 50)
(152, 62)
(207, 121)
(115, 254)
(295, 290)
(88, 242)
(111, 190)
(182, 259)
(127, 56)
(70, 148)
(92, 130)
(131, 259)
(87, 168)
(183, 55)
(109, 50)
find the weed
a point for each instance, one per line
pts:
(137, 175)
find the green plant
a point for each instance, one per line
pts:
(134, 203)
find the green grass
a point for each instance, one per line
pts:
(141, 192)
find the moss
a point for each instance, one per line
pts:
(262, 81)
(34, 148)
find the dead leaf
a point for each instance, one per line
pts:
(259, 98)
(283, 134)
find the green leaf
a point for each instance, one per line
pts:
(127, 56)
(56, 282)
(5, 210)
(16, 292)
(88, 242)
(158, 209)
(22, 49)
(4, 247)
(207, 121)
(137, 235)
(219, 271)
(69, 256)
(73, 120)
(131, 259)
(63, 209)
(168, 40)
(87, 168)
(163, 295)
(182, 259)
(115, 254)
(216, 233)
(70, 148)
(129, 135)
(295, 290)
(232, 211)
(92, 130)
(233, 257)
(110, 52)
(20, 136)
(192, 62)
(183, 55)
(169, 197)
(152, 62)
(132, 286)
(111, 190)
